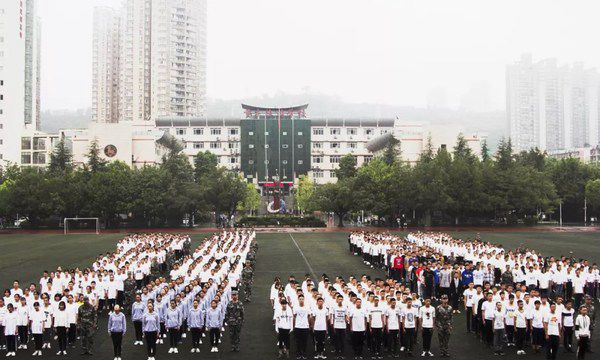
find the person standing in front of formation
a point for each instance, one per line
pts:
(499, 326)
(116, 329)
(61, 324)
(426, 321)
(582, 332)
(284, 324)
(234, 317)
(36, 321)
(137, 314)
(301, 327)
(319, 321)
(214, 322)
(150, 327)
(552, 329)
(443, 321)
(196, 322)
(173, 324)
(357, 318)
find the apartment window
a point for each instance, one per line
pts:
(300, 146)
(299, 133)
(1, 82)
(25, 158)
(351, 131)
(318, 131)
(335, 131)
(352, 145)
(233, 160)
(267, 162)
(284, 162)
(1, 97)
(317, 159)
(215, 131)
(39, 144)
(332, 174)
(317, 145)
(233, 131)
(284, 146)
(26, 143)
(250, 162)
(198, 145)
(284, 133)
(266, 133)
(180, 131)
(334, 159)
(39, 158)
(266, 146)
(369, 132)
(215, 145)
(385, 131)
(251, 133)
(367, 159)
(198, 131)
(317, 174)
(300, 162)
(1, 111)
(233, 145)
(335, 145)
(250, 146)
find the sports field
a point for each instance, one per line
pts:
(24, 257)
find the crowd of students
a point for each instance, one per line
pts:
(511, 298)
(192, 297)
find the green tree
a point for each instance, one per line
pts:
(95, 162)
(251, 200)
(391, 153)
(592, 193)
(305, 200)
(148, 203)
(205, 163)
(347, 168)
(337, 198)
(27, 195)
(111, 193)
(61, 160)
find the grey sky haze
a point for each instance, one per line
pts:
(380, 51)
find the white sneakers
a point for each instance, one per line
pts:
(173, 350)
(37, 353)
(195, 350)
(117, 358)
(11, 354)
(22, 346)
(184, 335)
(150, 357)
(520, 352)
(214, 349)
(61, 353)
(138, 343)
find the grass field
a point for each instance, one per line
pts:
(280, 254)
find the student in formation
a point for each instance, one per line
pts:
(150, 327)
(117, 325)
(173, 324)
(409, 323)
(36, 320)
(568, 323)
(338, 322)
(552, 328)
(510, 307)
(22, 310)
(376, 322)
(11, 321)
(319, 321)
(137, 315)
(61, 324)
(357, 317)
(499, 324)
(426, 321)
(537, 327)
(582, 332)
(284, 324)
(392, 327)
(196, 323)
(521, 326)
(214, 322)
(468, 301)
(301, 327)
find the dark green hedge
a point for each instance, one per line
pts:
(280, 220)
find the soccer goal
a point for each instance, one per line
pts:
(81, 226)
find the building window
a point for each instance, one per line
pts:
(334, 159)
(25, 158)
(300, 146)
(233, 145)
(26, 143)
(215, 145)
(352, 145)
(180, 131)
(317, 159)
(250, 146)
(233, 131)
(284, 133)
(198, 145)
(318, 131)
(284, 162)
(317, 174)
(299, 133)
(250, 162)
(215, 131)
(351, 131)
(285, 146)
(198, 131)
(1, 97)
(251, 133)
(369, 132)
(267, 162)
(233, 160)
(332, 174)
(317, 145)
(39, 144)
(335, 145)
(300, 162)
(266, 133)
(367, 159)
(39, 158)
(335, 131)
(383, 132)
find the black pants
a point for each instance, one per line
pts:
(283, 339)
(377, 339)
(338, 340)
(510, 334)
(61, 332)
(150, 342)
(520, 337)
(568, 337)
(173, 337)
(120, 297)
(23, 334)
(72, 334)
(301, 336)
(215, 334)
(427, 334)
(488, 332)
(38, 340)
(320, 336)
(2, 337)
(137, 326)
(469, 315)
(358, 339)
(117, 340)
(582, 346)
(408, 339)
(11, 343)
(552, 346)
(196, 335)
(392, 341)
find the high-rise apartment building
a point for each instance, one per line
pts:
(160, 62)
(549, 106)
(19, 74)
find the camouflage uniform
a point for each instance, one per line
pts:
(247, 282)
(234, 316)
(129, 293)
(88, 324)
(443, 319)
(592, 314)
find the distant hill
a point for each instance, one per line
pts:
(54, 120)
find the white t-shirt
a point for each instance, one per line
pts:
(537, 318)
(521, 319)
(301, 315)
(427, 315)
(376, 316)
(510, 313)
(410, 317)
(568, 317)
(338, 315)
(499, 316)
(283, 318)
(320, 318)
(554, 322)
(488, 308)
(469, 295)
(392, 319)
(37, 321)
(358, 317)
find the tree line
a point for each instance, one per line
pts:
(149, 196)
(458, 187)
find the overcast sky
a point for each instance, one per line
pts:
(382, 51)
